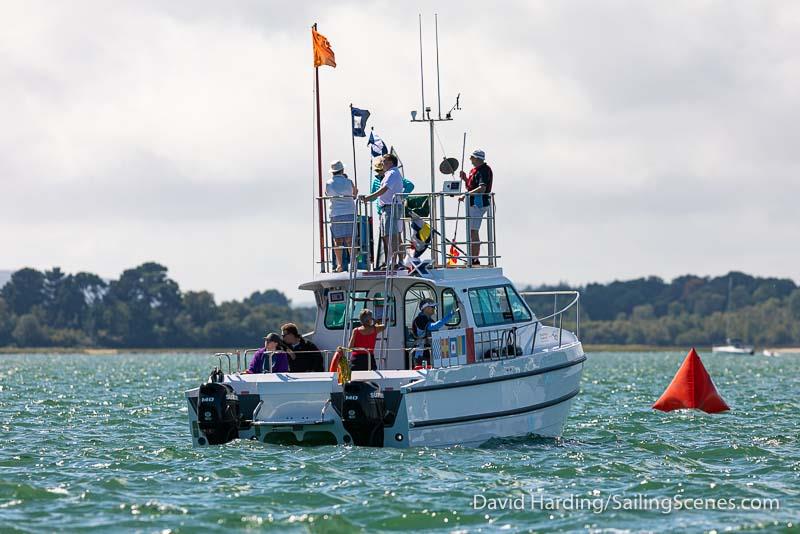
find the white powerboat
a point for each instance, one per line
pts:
(733, 346)
(494, 370)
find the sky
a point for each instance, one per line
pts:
(627, 138)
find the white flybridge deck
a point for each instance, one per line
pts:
(495, 369)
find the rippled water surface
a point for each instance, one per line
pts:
(101, 443)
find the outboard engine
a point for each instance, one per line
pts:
(363, 412)
(218, 413)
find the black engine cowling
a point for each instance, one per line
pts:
(363, 411)
(218, 413)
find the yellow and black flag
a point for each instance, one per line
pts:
(323, 53)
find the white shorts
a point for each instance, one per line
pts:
(475, 214)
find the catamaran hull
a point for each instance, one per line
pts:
(465, 405)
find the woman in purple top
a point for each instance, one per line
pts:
(280, 356)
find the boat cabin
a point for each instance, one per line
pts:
(493, 319)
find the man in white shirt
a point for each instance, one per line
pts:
(392, 209)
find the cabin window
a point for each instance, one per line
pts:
(334, 313)
(449, 302)
(414, 295)
(497, 305)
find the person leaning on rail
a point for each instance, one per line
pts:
(391, 205)
(308, 358)
(478, 184)
(281, 354)
(421, 329)
(377, 166)
(341, 211)
(362, 342)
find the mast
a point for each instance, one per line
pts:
(320, 206)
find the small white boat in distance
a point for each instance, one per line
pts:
(733, 346)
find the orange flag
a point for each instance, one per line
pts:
(323, 53)
(453, 259)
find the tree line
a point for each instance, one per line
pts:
(144, 308)
(691, 310)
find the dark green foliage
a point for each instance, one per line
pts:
(29, 333)
(6, 323)
(691, 310)
(24, 291)
(143, 309)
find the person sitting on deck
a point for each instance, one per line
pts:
(421, 329)
(281, 354)
(308, 358)
(362, 342)
(341, 211)
(478, 184)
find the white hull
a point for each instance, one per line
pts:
(461, 405)
(732, 349)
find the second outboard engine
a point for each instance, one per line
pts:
(363, 412)
(218, 413)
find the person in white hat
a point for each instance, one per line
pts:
(341, 211)
(478, 185)
(422, 326)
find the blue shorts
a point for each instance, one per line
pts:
(342, 226)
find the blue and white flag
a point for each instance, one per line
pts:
(360, 117)
(376, 145)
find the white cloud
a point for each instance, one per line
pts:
(629, 138)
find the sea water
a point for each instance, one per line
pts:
(102, 443)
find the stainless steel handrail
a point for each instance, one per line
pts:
(437, 219)
(560, 313)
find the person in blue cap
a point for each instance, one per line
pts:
(421, 329)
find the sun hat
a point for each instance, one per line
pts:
(377, 164)
(478, 153)
(427, 303)
(336, 166)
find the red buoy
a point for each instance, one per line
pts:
(691, 388)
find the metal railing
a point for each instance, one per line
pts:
(557, 313)
(445, 227)
(360, 236)
(497, 344)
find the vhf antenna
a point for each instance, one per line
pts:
(425, 112)
(438, 86)
(421, 71)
